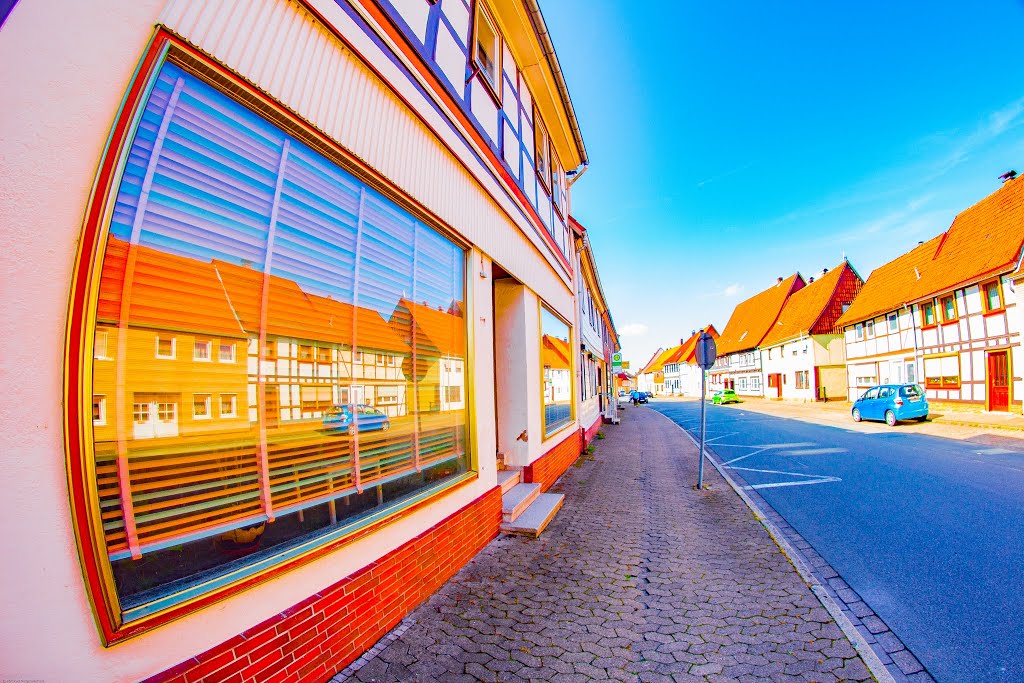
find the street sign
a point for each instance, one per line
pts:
(706, 354)
(706, 351)
(617, 362)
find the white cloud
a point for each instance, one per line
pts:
(733, 289)
(633, 330)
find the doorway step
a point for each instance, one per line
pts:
(524, 509)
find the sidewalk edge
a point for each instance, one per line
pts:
(871, 660)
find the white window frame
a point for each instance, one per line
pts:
(101, 399)
(234, 405)
(174, 348)
(101, 350)
(493, 80)
(209, 407)
(220, 352)
(198, 344)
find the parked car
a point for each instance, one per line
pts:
(724, 396)
(367, 418)
(650, 394)
(891, 403)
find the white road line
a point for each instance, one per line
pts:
(806, 478)
(813, 451)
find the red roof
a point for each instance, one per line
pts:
(983, 241)
(690, 347)
(808, 310)
(440, 331)
(752, 319)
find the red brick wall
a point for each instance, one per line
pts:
(550, 466)
(588, 435)
(321, 635)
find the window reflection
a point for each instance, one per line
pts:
(557, 371)
(280, 350)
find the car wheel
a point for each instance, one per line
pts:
(890, 418)
(922, 418)
(385, 426)
(856, 415)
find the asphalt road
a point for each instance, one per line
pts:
(929, 530)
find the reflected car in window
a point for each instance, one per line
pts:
(339, 419)
(891, 403)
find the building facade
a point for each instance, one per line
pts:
(802, 356)
(738, 366)
(324, 276)
(944, 314)
(682, 374)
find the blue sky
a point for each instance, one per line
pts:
(732, 143)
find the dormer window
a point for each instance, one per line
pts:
(487, 54)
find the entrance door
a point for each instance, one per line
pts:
(775, 382)
(998, 381)
(154, 415)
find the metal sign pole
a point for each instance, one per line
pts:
(706, 355)
(700, 468)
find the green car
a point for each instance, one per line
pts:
(725, 396)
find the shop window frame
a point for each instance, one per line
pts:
(116, 623)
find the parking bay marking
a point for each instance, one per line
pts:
(808, 479)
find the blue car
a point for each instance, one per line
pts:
(367, 418)
(892, 403)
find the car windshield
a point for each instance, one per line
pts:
(336, 410)
(910, 391)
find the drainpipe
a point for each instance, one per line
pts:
(541, 29)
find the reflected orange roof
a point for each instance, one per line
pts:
(215, 297)
(752, 319)
(805, 312)
(441, 331)
(554, 353)
(983, 241)
(167, 291)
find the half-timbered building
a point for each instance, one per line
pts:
(802, 356)
(738, 366)
(944, 315)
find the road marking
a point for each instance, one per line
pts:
(813, 451)
(996, 451)
(807, 479)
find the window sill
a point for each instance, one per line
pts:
(994, 311)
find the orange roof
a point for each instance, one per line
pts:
(657, 363)
(555, 353)
(805, 308)
(690, 348)
(438, 330)
(167, 291)
(983, 241)
(751, 320)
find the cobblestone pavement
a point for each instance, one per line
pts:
(639, 578)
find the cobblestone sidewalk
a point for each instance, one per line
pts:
(639, 578)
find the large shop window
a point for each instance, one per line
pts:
(556, 360)
(229, 237)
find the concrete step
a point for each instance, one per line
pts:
(517, 500)
(536, 517)
(509, 478)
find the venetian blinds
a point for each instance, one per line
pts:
(320, 299)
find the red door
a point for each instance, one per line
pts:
(998, 381)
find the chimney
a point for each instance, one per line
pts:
(682, 341)
(823, 271)
(1009, 175)
(810, 280)
(779, 281)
